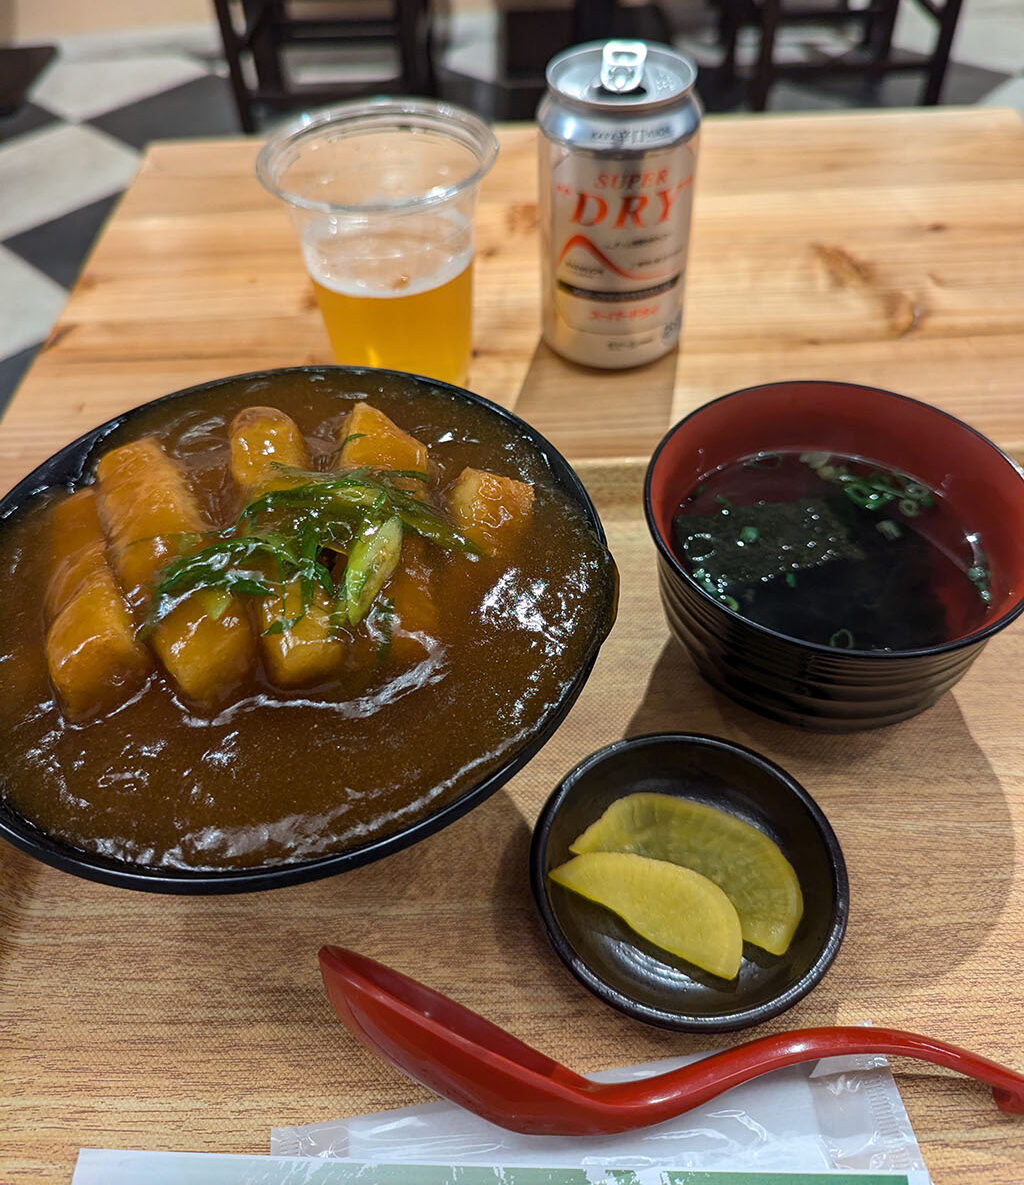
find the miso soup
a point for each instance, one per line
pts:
(834, 549)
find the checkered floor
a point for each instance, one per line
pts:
(68, 153)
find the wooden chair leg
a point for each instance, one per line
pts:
(764, 75)
(415, 46)
(232, 52)
(728, 31)
(940, 57)
(262, 17)
(879, 31)
(593, 20)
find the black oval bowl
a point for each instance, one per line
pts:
(72, 466)
(801, 682)
(639, 978)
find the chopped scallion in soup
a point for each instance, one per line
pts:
(835, 550)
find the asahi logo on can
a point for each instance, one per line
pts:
(615, 223)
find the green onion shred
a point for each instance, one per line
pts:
(357, 513)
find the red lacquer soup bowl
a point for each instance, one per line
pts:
(819, 683)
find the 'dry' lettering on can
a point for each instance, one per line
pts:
(618, 149)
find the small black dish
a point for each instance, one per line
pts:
(638, 978)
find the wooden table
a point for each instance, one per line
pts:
(883, 248)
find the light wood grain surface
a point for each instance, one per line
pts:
(883, 248)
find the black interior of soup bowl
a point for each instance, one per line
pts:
(639, 978)
(72, 466)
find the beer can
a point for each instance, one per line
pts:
(618, 139)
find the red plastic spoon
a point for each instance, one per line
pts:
(463, 1057)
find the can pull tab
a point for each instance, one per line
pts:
(622, 66)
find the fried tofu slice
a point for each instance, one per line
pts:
(76, 539)
(306, 653)
(370, 439)
(95, 664)
(412, 593)
(94, 660)
(149, 514)
(263, 439)
(150, 517)
(491, 511)
(312, 650)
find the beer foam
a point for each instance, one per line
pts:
(393, 282)
(386, 265)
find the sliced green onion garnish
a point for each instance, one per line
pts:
(322, 512)
(867, 495)
(371, 562)
(815, 460)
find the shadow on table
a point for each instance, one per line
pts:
(586, 412)
(919, 811)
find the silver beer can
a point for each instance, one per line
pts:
(618, 149)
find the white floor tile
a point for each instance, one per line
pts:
(705, 51)
(474, 59)
(82, 90)
(29, 303)
(200, 40)
(324, 66)
(471, 46)
(798, 43)
(48, 173)
(784, 96)
(990, 35)
(1009, 94)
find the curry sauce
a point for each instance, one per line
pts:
(403, 700)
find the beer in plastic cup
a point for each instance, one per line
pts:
(382, 195)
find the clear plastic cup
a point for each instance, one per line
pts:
(382, 194)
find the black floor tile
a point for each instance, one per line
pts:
(28, 118)
(203, 107)
(962, 85)
(796, 92)
(791, 96)
(59, 248)
(719, 93)
(12, 369)
(20, 66)
(499, 99)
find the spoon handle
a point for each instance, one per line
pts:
(692, 1085)
(471, 1061)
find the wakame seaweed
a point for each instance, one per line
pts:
(833, 550)
(754, 543)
